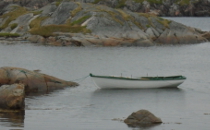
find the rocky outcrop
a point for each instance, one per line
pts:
(81, 24)
(33, 81)
(12, 97)
(179, 34)
(18, 82)
(142, 118)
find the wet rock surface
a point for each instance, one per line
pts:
(33, 81)
(18, 82)
(12, 97)
(142, 118)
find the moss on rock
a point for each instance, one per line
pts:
(183, 2)
(128, 17)
(164, 22)
(81, 20)
(114, 15)
(36, 23)
(13, 26)
(96, 1)
(9, 35)
(150, 1)
(78, 9)
(48, 30)
(121, 3)
(17, 11)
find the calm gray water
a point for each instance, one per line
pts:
(197, 22)
(86, 107)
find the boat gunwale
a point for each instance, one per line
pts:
(178, 77)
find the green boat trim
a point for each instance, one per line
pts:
(178, 77)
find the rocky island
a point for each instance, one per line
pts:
(88, 23)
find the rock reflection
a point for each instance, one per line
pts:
(143, 126)
(12, 119)
(36, 94)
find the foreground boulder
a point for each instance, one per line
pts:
(12, 97)
(142, 118)
(33, 80)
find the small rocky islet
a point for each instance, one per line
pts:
(90, 23)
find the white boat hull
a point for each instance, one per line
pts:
(108, 83)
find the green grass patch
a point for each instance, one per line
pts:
(48, 30)
(13, 26)
(150, 1)
(75, 11)
(96, 1)
(164, 22)
(183, 2)
(148, 26)
(81, 20)
(36, 23)
(36, 12)
(58, 2)
(9, 35)
(121, 4)
(113, 14)
(124, 15)
(147, 15)
(18, 11)
(128, 17)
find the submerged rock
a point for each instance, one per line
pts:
(12, 97)
(34, 81)
(142, 118)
